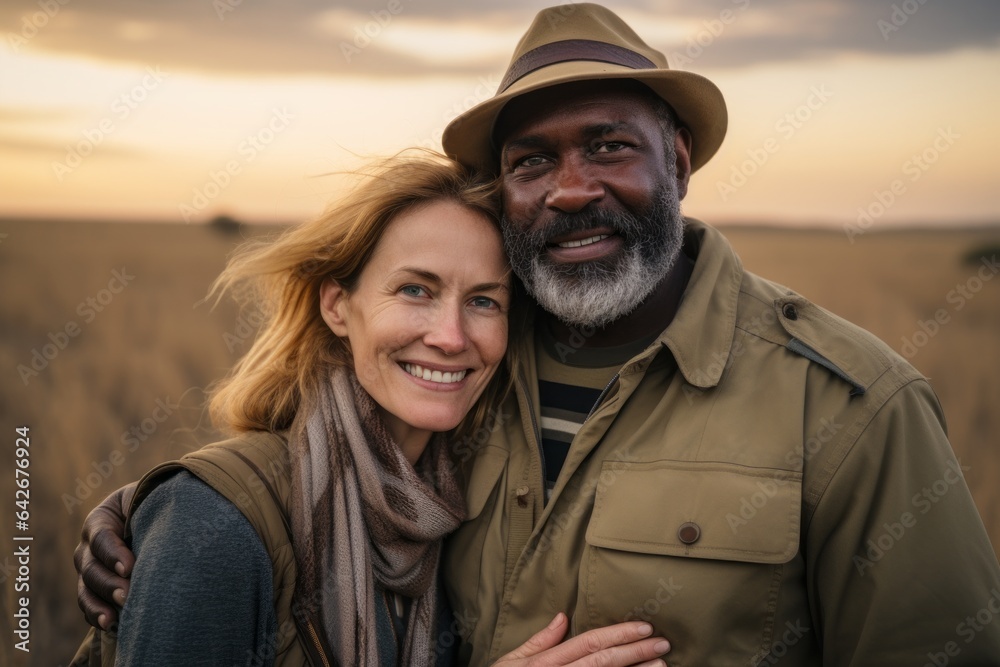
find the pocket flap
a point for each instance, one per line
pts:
(702, 510)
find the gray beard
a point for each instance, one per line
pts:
(595, 294)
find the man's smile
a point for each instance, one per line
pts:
(583, 242)
(584, 245)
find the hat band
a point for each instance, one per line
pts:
(573, 49)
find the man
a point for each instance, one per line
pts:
(689, 444)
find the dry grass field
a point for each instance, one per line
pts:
(105, 354)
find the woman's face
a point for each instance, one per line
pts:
(427, 318)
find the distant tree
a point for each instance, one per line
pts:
(225, 224)
(976, 255)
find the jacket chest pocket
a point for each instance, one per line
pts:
(697, 549)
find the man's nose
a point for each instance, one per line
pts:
(573, 187)
(447, 331)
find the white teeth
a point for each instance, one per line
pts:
(583, 242)
(434, 376)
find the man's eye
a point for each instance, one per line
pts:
(609, 147)
(413, 290)
(530, 161)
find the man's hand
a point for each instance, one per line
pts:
(613, 646)
(99, 555)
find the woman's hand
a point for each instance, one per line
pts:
(612, 646)
(101, 554)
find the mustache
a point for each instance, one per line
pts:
(622, 223)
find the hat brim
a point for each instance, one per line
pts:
(699, 105)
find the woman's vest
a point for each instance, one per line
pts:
(252, 471)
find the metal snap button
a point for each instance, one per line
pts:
(789, 311)
(689, 532)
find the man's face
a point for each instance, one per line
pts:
(591, 198)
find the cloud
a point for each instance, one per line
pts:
(784, 30)
(250, 39)
(405, 38)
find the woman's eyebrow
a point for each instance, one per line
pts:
(422, 273)
(490, 287)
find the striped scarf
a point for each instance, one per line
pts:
(361, 514)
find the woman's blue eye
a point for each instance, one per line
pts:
(484, 302)
(412, 290)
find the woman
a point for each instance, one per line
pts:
(386, 326)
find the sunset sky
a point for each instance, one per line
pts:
(185, 109)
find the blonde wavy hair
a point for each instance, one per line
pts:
(282, 277)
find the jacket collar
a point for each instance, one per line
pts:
(700, 336)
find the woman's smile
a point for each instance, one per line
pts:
(435, 376)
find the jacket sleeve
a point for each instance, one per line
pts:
(201, 588)
(900, 568)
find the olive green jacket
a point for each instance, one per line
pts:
(766, 483)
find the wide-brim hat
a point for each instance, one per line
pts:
(582, 42)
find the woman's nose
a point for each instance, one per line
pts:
(447, 331)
